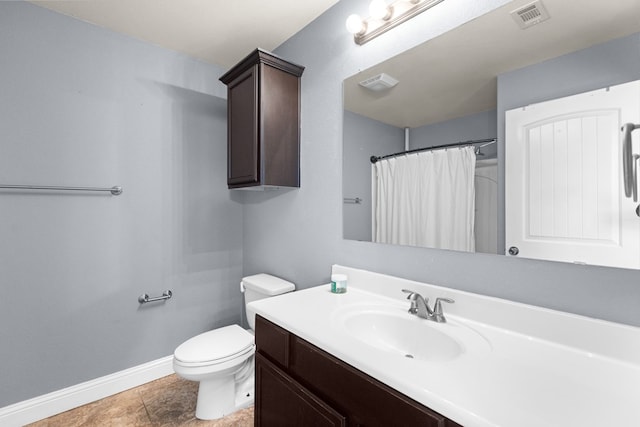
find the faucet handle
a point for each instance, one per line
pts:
(413, 297)
(437, 309)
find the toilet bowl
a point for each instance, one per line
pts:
(222, 359)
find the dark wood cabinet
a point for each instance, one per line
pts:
(263, 122)
(285, 402)
(315, 383)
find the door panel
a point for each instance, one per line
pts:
(564, 192)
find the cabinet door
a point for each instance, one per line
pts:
(242, 139)
(282, 402)
(279, 122)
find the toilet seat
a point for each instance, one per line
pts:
(215, 347)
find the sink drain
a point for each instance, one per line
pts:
(410, 356)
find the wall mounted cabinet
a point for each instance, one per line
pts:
(263, 122)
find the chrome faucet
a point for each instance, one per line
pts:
(420, 306)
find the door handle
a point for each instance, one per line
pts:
(634, 184)
(628, 160)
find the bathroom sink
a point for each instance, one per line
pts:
(394, 330)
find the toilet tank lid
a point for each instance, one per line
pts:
(266, 284)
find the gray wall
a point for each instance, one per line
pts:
(305, 225)
(86, 107)
(363, 138)
(599, 66)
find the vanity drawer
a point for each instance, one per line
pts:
(272, 341)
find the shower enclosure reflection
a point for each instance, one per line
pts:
(367, 136)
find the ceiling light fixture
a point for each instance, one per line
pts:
(384, 17)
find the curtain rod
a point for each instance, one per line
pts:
(487, 141)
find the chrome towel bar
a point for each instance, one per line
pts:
(144, 298)
(116, 190)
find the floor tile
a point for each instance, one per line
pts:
(170, 402)
(166, 402)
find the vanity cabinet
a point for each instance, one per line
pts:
(299, 384)
(263, 122)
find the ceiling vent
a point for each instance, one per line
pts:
(380, 82)
(530, 14)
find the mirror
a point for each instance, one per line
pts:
(458, 86)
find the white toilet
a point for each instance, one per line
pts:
(222, 359)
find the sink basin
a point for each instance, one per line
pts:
(393, 330)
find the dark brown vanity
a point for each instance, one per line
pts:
(263, 114)
(298, 384)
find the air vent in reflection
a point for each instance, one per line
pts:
(530, 14)
(380, 82)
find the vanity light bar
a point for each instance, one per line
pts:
(397, 12)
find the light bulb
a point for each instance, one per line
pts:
(355, 25)
(379, 9)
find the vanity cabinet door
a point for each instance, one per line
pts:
(283, 402)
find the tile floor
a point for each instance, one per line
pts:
(169, 401)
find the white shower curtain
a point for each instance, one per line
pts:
(425, 199)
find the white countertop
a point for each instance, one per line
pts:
(540, 368)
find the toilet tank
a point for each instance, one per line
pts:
(261, 286)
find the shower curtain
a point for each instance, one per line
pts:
(425, 199)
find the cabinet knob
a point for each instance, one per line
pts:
(514, 251)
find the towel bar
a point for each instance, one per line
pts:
(144, 298)
(116, 190)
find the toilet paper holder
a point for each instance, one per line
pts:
(144, 298)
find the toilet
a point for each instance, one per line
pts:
(222, 359)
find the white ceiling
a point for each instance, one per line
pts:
(450, 76)
(220, 32)
(454, 75)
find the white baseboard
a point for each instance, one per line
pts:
(38, 408)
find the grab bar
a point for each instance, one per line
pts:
(116, 190)
(144, 298)
(627, 160)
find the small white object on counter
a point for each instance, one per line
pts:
(338, 283)
(519, 366)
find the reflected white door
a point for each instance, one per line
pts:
(564, 194)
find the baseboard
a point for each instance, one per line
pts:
(53, 403)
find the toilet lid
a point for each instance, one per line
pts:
(213, 345)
